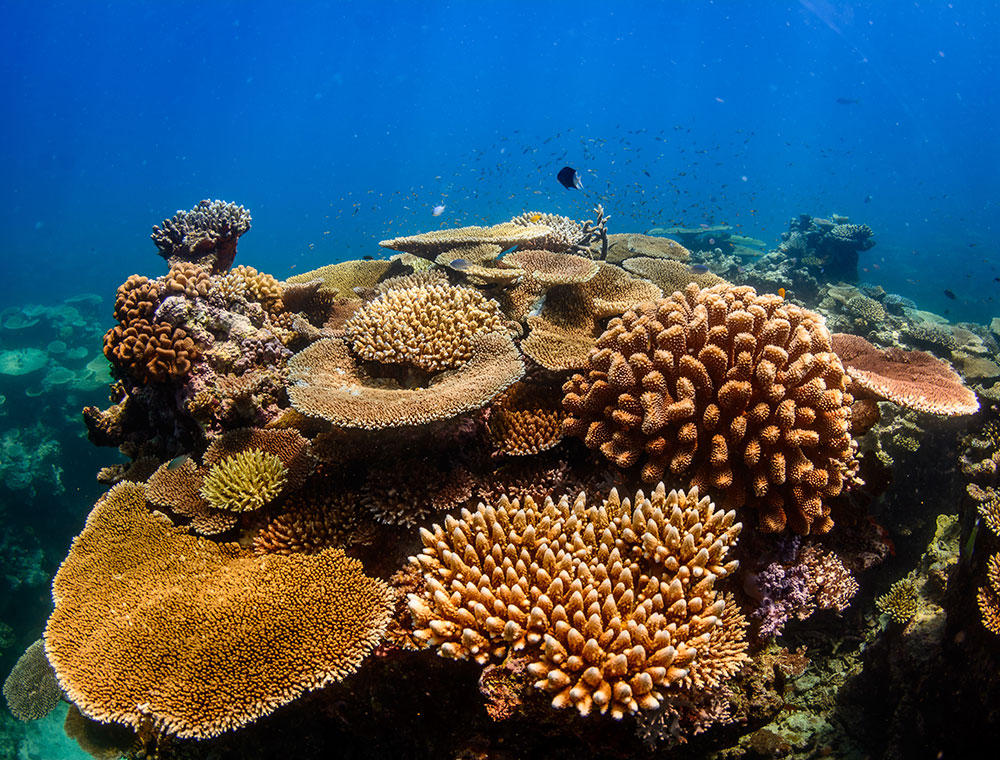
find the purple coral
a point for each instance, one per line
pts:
(261, 352)
(784, 592)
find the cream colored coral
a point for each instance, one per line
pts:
(614, 604)
(428, 326)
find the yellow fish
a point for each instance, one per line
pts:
(534, 217)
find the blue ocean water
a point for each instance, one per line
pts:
(340, 124)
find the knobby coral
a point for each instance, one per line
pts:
(739, 392)
(989, 595)
(153, 624)
(614, 604)
(899, 602)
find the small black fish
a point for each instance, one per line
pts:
(698, 268)
(459, 265)
(950, 295)
(569, 178)
(848, 101)
(368, 258)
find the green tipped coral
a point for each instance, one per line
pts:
(245, 481)
(900, 603)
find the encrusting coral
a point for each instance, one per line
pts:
(740, 393)
(206, 637)
(614, 604)
(244, 481)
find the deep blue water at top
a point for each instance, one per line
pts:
(339, 124)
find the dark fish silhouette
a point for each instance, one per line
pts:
(460, 265)
(176, 462)
(868, 199)
(698, 268)
(569, 178)
(950, 295)
(848, 101)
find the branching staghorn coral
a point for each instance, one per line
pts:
(244, 481)
(614, 604)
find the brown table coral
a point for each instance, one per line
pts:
(153, 624)
(736, 392)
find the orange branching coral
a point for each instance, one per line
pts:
(526, 419)
(428, 326)
(326, 381)
(741, 393)
(913, 379)
(989, 595)
(205, 637)
(614, 604)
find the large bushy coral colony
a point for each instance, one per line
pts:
(598, 480)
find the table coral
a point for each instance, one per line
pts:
(614, 604)
(738, 392)
(913, 379)
(505, 235)
(328, 382)
(207, 637)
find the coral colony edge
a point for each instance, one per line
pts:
(531, 489)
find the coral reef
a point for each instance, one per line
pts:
(899, 602)
(614, 605)
(206, 235)
(245, 481)
(31, 689)
(738, 392)
(913, 379)
(265, 630)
